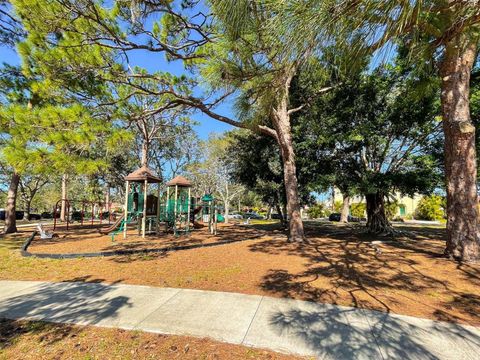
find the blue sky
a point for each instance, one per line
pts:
(154, 62)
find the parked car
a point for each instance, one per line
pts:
(77, 216)
(253, 215)
(235, 215)
(34, 217)
(46, 215)
(337, 216)
(334, 217)
(18, 214)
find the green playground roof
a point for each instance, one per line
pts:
(207, 197)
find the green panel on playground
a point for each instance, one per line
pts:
(172, 209)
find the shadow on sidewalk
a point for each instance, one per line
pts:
(65, 302)
(336, 333)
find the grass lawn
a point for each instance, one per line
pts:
(339, 265)
(40, 340)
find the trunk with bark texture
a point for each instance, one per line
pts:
(10, 216)
(63, 209)
(107, 198)
(345, 209)
(28, 207)
(145, 148)
(280, 212)
(460, 157)
(269, 212)
(377, 222)
(284, 138)
(227, 210)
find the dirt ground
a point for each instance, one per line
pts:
(88, 239)
(338, 265)
(40, 340)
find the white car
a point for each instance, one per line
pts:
(235, 215)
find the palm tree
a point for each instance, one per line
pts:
(442, 35)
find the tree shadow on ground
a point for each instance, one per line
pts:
(164, 248)
(65, 302)
(14, 241)
(341, 266)
(342, 333)
(137, 248)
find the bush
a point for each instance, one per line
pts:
(430, 208)
(317, 211)
(337, 207)
(391, 209)
(358, 210)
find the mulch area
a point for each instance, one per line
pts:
(41, 340)
(87, 239)
(338, 265)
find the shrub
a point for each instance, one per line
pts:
(391, 209)
(358, 209)
(317, 211)
(337, 207)
(430, 208)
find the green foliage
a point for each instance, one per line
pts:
(317, 211)
(391, 209)
(52, 139)
(10, 28)
(431, 208)
(256, 163)
(425, 26)
(370, 134)
(338, 206)
(358, 209)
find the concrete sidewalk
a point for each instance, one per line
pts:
(289, 326)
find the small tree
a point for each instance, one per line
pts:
(391, 209)
(430, 208)
(212, 173)
(358, 209)
(317, 210)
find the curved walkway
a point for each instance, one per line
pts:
(289, 326)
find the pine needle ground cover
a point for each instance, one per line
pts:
(339, 265)
(41, 340)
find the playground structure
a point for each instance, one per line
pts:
(69, 215)
(173, 210)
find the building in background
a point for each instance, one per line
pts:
(406, 204)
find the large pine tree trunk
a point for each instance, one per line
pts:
(63, 209)
(284, 138)
(377, 222)
(345, 209)
(460, 157)
(10, 217)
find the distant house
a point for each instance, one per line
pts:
(406, 204)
